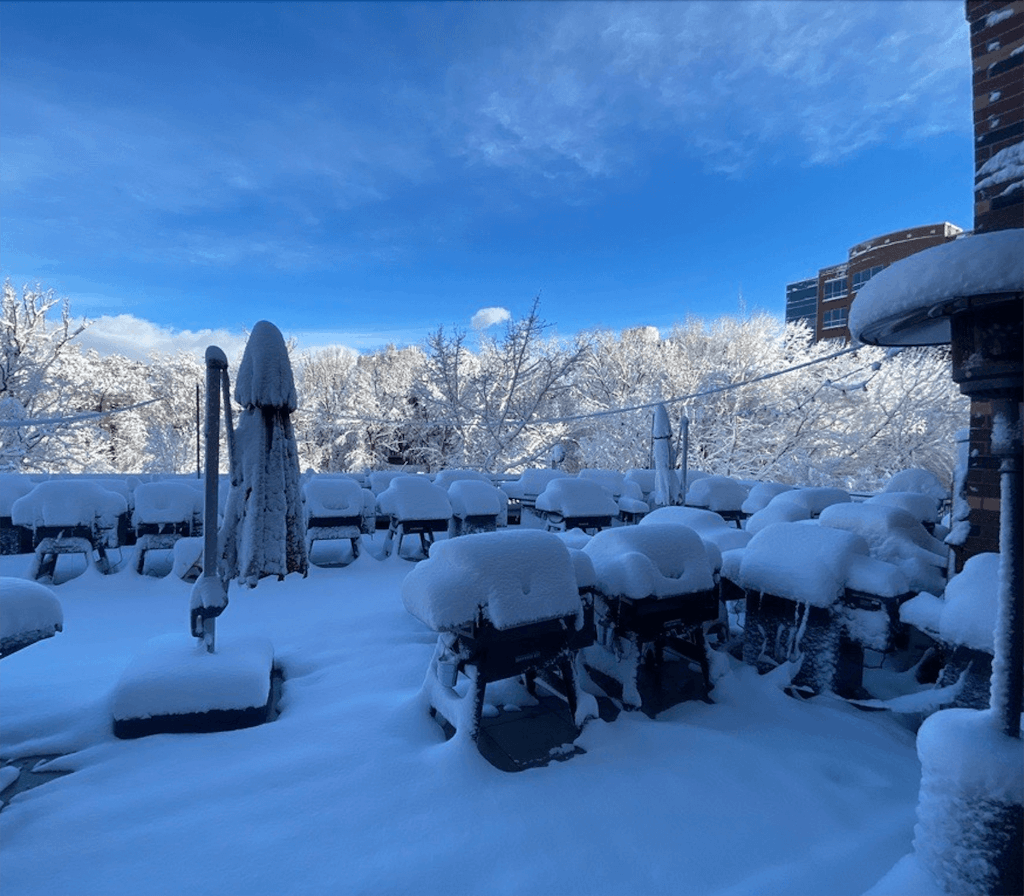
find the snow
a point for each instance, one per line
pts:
(471, 497)
(656, 560)
(924, 613)
(970, 776)
(28, 611)
(173, 674)
(1000, 15)
(923, 482)
(894, 536)
(803, 561)
(353, 789)
(531, 483)
(62, 502)
(515, 577)
(717, 493)
(761, 494)
(264, 377)
(12, 487)
(974, 264)
(972, 597)
(576, 498)
(445, 478)
(794, 505)
(706, 523)
(414, 498)
(923, 508)
(612, 480)
(166, 502)
(330, 497)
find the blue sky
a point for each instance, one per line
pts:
(359, 173)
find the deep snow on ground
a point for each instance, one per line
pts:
(353, 789)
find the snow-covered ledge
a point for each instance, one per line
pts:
(911, 302)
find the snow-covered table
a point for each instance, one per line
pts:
(576, 504)
(414, 506)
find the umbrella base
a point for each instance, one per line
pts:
(174, 687)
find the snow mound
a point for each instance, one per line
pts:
(612, 480)
(812, 564)
(761, 494)
(166, 502)
(972, 598)
(333, 497)
(68, 503)
(473, 497)
(717, 493)
(706, 523)
(576, 498)
(28, 611)
(895, 536)
(794, 505)
(513, 577)
(923, 482)
(414, 498)
(922, 507)
(531, 483)
(445, 478)
(650, 561)
(12, 487)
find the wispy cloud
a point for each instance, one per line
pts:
(732, 81)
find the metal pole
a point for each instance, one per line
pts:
(216, 367)
(1007, 686)
(684, 440)
(199, 469)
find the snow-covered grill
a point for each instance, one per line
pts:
(815, 596)
(576, 504)
(414, 506)
(69, 518)
(504, 604)
(655, 591)
(338, 509)
(164, 513)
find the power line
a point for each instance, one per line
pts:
(77, 418)
(625, 410)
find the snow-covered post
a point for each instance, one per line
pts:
(684, 441)
(209, 594)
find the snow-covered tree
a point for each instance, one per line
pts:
(488, 410)
(35, 382)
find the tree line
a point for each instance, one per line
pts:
(504, 404)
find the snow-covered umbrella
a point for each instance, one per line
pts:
(666, 486)
(263, 533)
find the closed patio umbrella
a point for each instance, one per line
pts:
(263, 532)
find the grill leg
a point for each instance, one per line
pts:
(479, 687)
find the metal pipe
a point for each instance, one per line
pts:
(216, 368)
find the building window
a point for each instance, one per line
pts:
(862, 277)
(833, 289)
(835, 318)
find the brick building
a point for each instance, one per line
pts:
(997, 57)
(824, 301)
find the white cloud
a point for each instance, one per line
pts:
(488, 317)
(133, 337)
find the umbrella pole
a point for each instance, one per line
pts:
(216, 368)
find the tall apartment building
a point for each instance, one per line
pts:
(824, 301)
